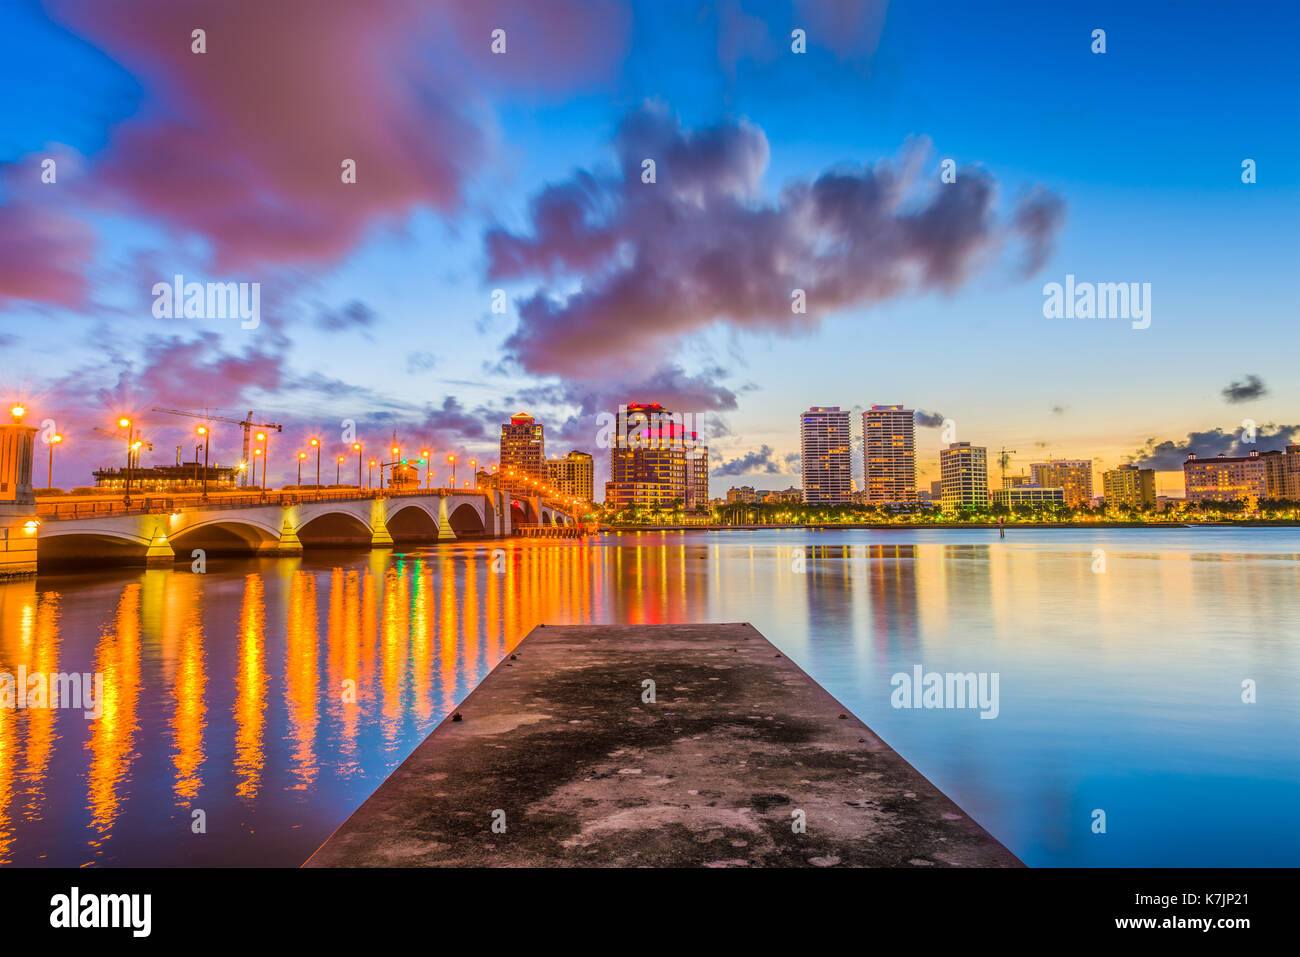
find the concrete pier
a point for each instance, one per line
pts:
(560, 758)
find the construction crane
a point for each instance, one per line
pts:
(1004, 456)
(246, 424)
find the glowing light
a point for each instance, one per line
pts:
(124, 422)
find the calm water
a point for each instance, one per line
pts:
(1118, 691)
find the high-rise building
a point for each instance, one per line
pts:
(1073, 475)
(1129, 485)
(523, 453)
(825, 440)
(573, 475)
(889, 453)
(697, 477)
(965, 476)
(1282, 473)
(1224, 478)
(648, 460)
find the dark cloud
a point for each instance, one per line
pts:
(394, 85)
(928, 420)
(702, 245)
(1059, 409)
(355, 315)
(760, 461)
(1251, 387)
(1169, 455)
(794, 463)
(670, 386)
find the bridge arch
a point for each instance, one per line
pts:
(467, 521)
(411, 522)
(233, 535)
(334, 529)
(91, 547)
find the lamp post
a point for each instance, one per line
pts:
(338, 472)
(426, 462)
(473, 468)
(452, 460)
(197, 446)
(356, 447)
(206, 435)
(125, 423)
(55, 439)
(301, 456)
(370, 474)
(316, 443)
(392, 476)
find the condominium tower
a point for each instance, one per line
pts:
(964, 474)
(827, 474)
(573, 475)
(523, 453)
(1073, 475)
(889, 453)
(1129, 486)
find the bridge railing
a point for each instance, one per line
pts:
(154, 504)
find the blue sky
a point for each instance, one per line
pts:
(1141, 147)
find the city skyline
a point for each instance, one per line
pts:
(356, 324)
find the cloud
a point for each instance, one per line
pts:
(669, 385)
(420, 362)
(1169, 455)
(44, 249)
(1250, 388)
(849, 30)
(760, 461)
(794, 463)
(928, 420)
(355, 315)
(702, 246)
(243, 144)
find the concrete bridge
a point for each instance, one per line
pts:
(159, 530)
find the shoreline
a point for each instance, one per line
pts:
(904, 526)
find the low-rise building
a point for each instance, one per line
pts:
(1225, 478)
(1029, 495)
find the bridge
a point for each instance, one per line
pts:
(159, 530)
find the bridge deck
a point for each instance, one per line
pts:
(558, 745)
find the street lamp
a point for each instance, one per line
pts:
(356, 447)
(301, 456)
(206, 435)
(452, 460)
(125, 423)
(316, 443)
(55, 439)
(473, 467)
(425, 460)
(338, 472)
(370, 474)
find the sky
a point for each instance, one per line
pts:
(501, 249)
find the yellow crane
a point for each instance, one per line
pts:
(246, 424)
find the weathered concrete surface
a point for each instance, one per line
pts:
(558, 737)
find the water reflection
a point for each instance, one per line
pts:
(276, 694)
